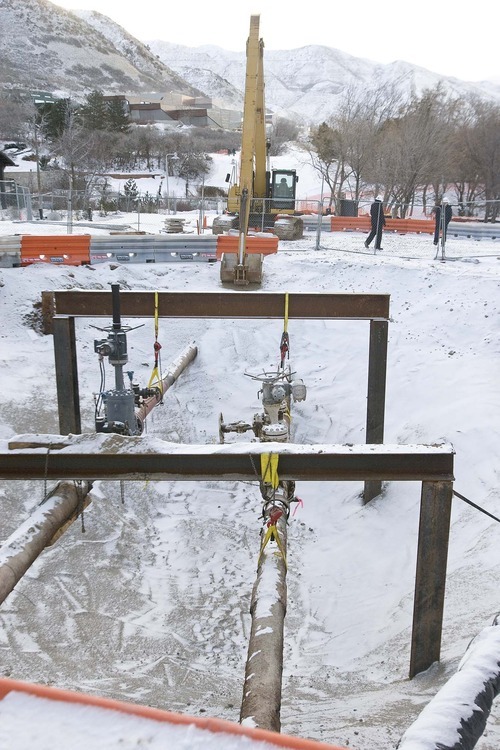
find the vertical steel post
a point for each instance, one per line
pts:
(375, 407)
(320, 216)
(430, 579)
(68, 397)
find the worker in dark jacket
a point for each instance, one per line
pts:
(377, 221)
(443, 216)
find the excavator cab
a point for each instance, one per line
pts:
(282, 184)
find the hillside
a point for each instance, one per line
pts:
(307, 83)
(72, 53)
(45, 47)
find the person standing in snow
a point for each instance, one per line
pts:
(377, 221)
(443, 214)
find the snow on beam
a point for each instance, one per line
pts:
(104, 456)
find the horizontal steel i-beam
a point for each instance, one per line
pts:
(224, 305)
(311, 463)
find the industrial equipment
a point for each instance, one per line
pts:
(124, 408)
(115, 408)
(272, 425)
(258, 196)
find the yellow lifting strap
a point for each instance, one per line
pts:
(269, 469)
(272, 532)
(156, 316)
(285, 339)
(285, 322)
(156, 378)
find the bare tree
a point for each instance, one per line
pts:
(413, 150)
(324, 151)
(13, 118)
(74, 150)
(344, 148)
(283, 131)
(481, 140)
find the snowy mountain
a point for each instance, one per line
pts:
(59, 51)
(307, 82)
(72, 53)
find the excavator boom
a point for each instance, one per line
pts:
(255, 192)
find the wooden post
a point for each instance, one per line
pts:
(68, 396)
(430, 580)
(375, 406)
(48, 311)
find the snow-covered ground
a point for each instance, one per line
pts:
(150, 604)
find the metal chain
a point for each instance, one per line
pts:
(46, 471)
(80, 507)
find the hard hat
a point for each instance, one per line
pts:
(379, 198)
(445, 199)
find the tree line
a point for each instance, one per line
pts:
(80, 141)
(411, 151)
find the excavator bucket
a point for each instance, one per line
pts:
(253, 265)
(249, 272)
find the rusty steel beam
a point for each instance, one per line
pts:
(68, 395)
(375, 402)
(94, 304)
(307, 463)
(430, 578)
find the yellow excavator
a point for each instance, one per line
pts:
(258, 196)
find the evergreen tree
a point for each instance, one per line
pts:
(93, 114)
(116, 117)
(131, 194)
(52, 118)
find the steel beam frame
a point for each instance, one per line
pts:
(372, 307)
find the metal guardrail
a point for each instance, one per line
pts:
(126, 249)
(10, 252)
(474, 230)
(153, 248)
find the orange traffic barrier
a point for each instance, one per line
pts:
(69, 250)
(228, 243)
(362, 224)
(352, 223)
(403, 226)
(155, 714)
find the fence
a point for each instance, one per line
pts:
(80, 206)
(479, 210)
(15, 201)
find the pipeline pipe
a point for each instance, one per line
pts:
(174, 370)
(456, 717)
(261, 704)
(49, 520)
